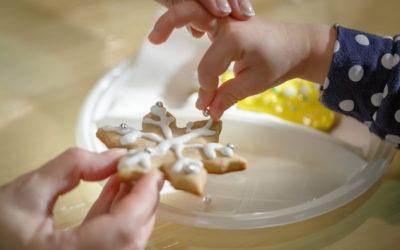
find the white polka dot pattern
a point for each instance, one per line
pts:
(347, 105)
(326, 83)
(397, 116)
(389, 61)
(336, 47)
(374, 116)
(376, 99)
(364, 81)
(362, 39)
(356, 73)
(385, 91)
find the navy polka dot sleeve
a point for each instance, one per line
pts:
(364, 81)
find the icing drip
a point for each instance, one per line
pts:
(211, 148)
(190, 169)
(176, 144)
(183, 163)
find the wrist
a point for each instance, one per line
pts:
(320, 45)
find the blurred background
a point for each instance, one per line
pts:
(53, 52)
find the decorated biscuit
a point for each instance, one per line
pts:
(185, 155)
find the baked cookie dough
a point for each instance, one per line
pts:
(185, 155)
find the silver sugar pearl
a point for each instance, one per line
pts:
(206, 113)
(189, 126)
(207, 200)
(231, 146)
(189, 169)
(160, 104)
(123, 125)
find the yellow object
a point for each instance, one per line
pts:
(296, 100)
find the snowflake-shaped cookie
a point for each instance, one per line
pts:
(185, 155)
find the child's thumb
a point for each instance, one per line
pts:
(245, 84)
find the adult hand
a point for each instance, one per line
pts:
(122, 217)
(239, 9)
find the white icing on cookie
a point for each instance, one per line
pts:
(184, 162)
(133, 157)
(130, 135)
(176, 144)
(120, 130)
(164, 121)
(211, 148)
(189, 126)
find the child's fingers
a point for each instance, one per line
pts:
(179, 15)
(245, 84)
(215, 61)
(242, 9)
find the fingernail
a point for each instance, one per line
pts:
(190, 30)
(159, 178)
(247, 8)
(117, 152)
(224, 6)
(154, 37)
(200, 105)
(198, 102)
(213, 26)
(160, 184)
(216, 115)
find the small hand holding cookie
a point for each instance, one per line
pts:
(265, 54)
(121, 218)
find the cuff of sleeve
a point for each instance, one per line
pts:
(361, 80)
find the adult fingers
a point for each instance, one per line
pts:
(130, 221)
(103, 203)
(63, 173)
(215, 61)
(179, 15)
(242, 9)
(140, 204)
(106, 232)
(219, 8)
(124, 189)
(194, 32)
(143, 235)
(245, 84)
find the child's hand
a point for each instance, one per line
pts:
(265, 54)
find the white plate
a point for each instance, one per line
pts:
(294, 173)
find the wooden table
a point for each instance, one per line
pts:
(52, 53)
